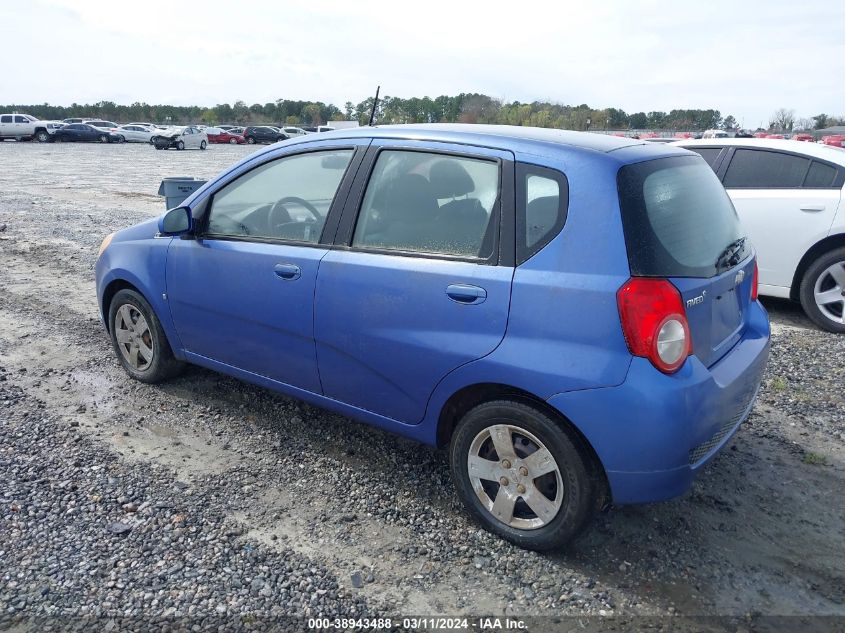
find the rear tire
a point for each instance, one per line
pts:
(233, 141)
(136, 333)
(121, 139)
(203, 145)
(561, 484)
(250, 140)
(104, 138)
(822, 291)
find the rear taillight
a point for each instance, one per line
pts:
(754, 283)
(654, 322)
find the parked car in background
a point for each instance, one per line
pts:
(775, 136)
(292, 131)
(657, 139)
(789, 198)
(263, 134)
(83, 132)
(312, 129)
(836, 140)
(217, 135)
(73, 120)
(664, 344)
(807, 138)
(24, 127)
(103, 125)
(236, 130)
(714, 134)
(134, 133)
(226, 127)
(151, 126)
(180, 137)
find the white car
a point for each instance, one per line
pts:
(291, 131)
(180, 137)
(133, 133)
(789, 198)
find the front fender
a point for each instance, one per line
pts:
(141, 264)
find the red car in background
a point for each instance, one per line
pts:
(803, 137)
(837, 140)
(223, 136)
(780, 136)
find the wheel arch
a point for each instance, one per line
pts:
(814, 252)
(466, 398)
(113, 287)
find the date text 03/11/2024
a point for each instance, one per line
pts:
(487, 624)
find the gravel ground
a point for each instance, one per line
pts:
(208, 504)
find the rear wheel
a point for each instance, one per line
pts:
(139, 340)
(822, 291)
(523, 475)
(121, 139)
(203, 145)
(104, 138)
(233, 141)
(250, 140)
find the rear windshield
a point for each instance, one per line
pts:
(678, 219)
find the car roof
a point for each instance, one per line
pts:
(496, 136)
(814, 150)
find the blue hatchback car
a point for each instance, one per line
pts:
(574, 315)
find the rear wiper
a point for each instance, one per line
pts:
(728, 255)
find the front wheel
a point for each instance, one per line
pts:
(42, 136)
(822, 291)
(250, 140)
(139, 340)
(180, 145)
(523, 475)
(233, 141)
(203, 145)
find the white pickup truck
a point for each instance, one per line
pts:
(24, 126)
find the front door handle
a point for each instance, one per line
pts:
(288, 272)
(466, 294)
(812, 208)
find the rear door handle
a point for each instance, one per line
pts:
(287, 271)
(812, 208)
(466, 293)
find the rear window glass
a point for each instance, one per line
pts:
(761, 169)
(677, 218)
(820, 175)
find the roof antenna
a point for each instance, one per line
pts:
(375, 104)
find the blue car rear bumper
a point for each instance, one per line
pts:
(654, 432)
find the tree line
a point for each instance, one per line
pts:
(463, 108)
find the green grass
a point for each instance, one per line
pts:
(814, 459)
(778, 383)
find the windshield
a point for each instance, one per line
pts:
(678, 219)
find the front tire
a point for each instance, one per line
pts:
(523, 475)
(180, 145)
(138, 339)
(203, 145)
(42, 136)
(250, 140)
(822, 291)
(233, 141)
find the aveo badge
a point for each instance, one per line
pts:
(697, 300)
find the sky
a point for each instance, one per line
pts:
(744, 58)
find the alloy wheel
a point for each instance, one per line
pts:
(515, 477)
(134, 338)
(829, 292)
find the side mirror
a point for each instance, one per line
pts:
(178, 221)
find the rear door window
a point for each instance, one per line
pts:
(710, 154)
(677, 218)
(763, 169)
(6, 118)
(421, 202)
(820, 176)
